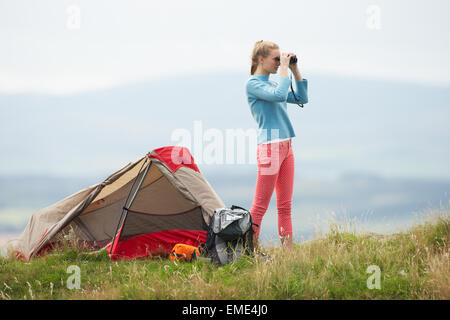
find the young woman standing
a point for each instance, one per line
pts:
(267, 100)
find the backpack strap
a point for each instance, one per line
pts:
(237, 207)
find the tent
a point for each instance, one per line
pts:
(145, 208)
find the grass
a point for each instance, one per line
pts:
(412, 265)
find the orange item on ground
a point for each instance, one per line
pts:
(184, 252)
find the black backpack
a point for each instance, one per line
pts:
(230, 235)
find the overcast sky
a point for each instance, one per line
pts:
(72, 46)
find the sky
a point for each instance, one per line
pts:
(63, 47)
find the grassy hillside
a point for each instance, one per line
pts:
(412, 265)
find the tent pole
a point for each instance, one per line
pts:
(129, 203)
(135, 193)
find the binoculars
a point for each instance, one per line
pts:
(291, 60)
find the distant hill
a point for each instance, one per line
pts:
(349, 124)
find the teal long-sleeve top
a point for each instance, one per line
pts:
(267, 100)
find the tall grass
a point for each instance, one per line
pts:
(413, 265)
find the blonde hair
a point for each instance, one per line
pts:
(261, 48)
